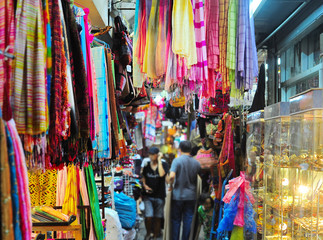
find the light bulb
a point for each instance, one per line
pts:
(303, 189)
(285, 182)
(284, 227)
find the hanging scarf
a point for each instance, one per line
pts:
(113, 104)
(199, 72)
(7, 36)
(14, 187)
(160, 59)
(223, 38)
(78, 72)
(183, 42)
(94, 202)
(227, 152)
(22, 181)
(149, 63)
(7, 231)
(29, 88)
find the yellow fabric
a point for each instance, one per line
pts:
(149, 66)
(183, 39)
(71, 194)
(42, 187)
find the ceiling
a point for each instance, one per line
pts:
(271, 13)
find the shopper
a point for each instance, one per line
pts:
(205, 213)
(154, 174)
(183, 181)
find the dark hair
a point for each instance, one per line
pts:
(153, 150)
(185, 146)
(195, 150)
(204, 197)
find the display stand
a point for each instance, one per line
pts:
(77, 229)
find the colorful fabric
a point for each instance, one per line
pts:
(78, 72)
(7, 36)
(42, 187)
(247, 61)
(183, 41)
(223, 38)
(7, 230)
(100, 69)
(232, 32)
(94, 203)
(22, 180)
(212, 33)
(14, 187)
(160, 59)
(149, 63)
(199, 71)
(29, 84)
(69, 206)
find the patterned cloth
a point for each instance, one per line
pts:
(42, 187)
(7, 35)
(199, 71)
(223, 38)
(212, 33)
(14, 187)
(101, 74)
(149, 63)
(7, 231)
(29, 84)
(232, 32)
(247, 61)
(22, 180)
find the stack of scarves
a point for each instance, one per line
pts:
(187, 47)
(14, 200)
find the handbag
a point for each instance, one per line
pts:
(207, 158)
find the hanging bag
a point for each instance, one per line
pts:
(207, 158)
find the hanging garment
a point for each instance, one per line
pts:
(138, 77)
(212, 33)
(42, 188)
(78, 72)
(7, 36)
(149, 63)
(94, 202)
(85, 200)
(7, 230)
(48, 43)
(226, 158)
(183, 42)
(113, 104)
(22, 181)
(223, 38)
(199, 72)
(247, 60)
(100, 69)
(14, 187)
(160, 59)
(29, 84)
(232, 32)
(258, 102)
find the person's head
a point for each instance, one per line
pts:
(207, 201)
(153, 154)
(195, 151)
(185, 147)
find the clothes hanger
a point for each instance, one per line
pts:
(102, 42)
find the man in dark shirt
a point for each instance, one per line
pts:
(154, 173)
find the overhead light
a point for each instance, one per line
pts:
(254, 4)
(279, 61)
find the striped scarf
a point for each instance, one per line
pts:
(29, 82)
(7, 35)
